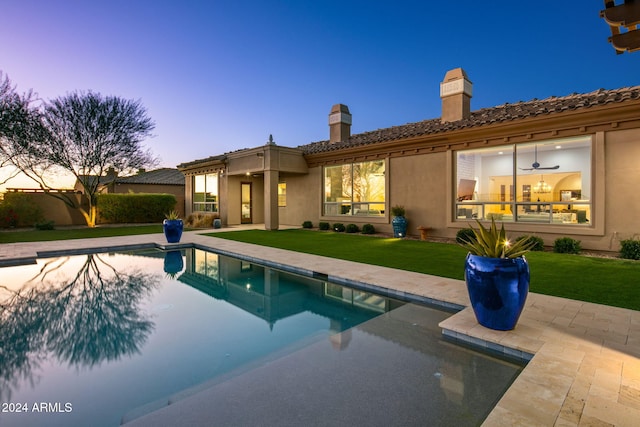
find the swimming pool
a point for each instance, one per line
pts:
(98, 339)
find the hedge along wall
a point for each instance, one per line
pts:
(18, 210)
(134, 207)
(47, 207)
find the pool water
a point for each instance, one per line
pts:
(90, 339)
(105, 339)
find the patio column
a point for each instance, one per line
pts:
(271, 218)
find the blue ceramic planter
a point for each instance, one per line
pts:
(498, 289)
(172, 230)
(399, 224)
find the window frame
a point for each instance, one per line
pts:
(353, 208)
(282, 194)
(206, 205)
(552, 210)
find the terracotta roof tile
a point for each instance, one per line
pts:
(501, 113)
(162, 176)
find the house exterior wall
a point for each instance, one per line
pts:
(424, 182)
(421, 161)
(303, 202)
(622, 196)
(418, 184)
(54, 209)
(233, 199)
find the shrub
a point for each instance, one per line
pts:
(567, 245)
(45, 225)
(537, 242)
(397, 210)
(339, 227)
(630, 249)
(307, 224)
(19, 210)
(368, 229)
(323, 226)
(201, 219)
(8, 217)
(135, 207)
(352, 228)
(465, 235)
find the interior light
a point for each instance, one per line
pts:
(542, 187)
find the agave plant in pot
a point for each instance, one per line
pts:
(497, 276)
(172, 226)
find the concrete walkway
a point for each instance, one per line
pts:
(584, 367)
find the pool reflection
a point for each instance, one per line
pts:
(83, 317)
(273, 295)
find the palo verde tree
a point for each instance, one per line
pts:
(84, 134)
(19, 124)
(88, 134)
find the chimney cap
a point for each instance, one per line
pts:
(340, 108)
(455, 74)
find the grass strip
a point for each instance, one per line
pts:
(76, 233)
(614, 282)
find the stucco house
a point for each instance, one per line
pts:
(560, 166)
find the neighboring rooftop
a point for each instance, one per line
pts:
(486, 116)
(162, 176)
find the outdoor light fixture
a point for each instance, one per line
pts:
(542, 187)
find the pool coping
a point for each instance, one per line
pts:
(583, 358)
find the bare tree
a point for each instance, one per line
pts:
(19, 124)
(88, 134)
(83, 134)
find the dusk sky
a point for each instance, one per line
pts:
(219, 76)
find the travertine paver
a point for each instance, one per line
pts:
(585, 358)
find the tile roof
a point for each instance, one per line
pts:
(218, 158)
(162, 176)
(486, 116)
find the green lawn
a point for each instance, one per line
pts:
(613, 282)
(76, 233)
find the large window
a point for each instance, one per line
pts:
(282, 194)
(205, 193)
(542, 182)
(355, 189)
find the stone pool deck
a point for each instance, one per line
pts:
(584, 358)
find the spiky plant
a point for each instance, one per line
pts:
(493, 243)
(172, 215)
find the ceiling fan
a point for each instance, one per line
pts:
(535, 165)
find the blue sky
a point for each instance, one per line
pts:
(218, 76)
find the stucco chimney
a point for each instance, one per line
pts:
(455, 92)
(339, 123)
